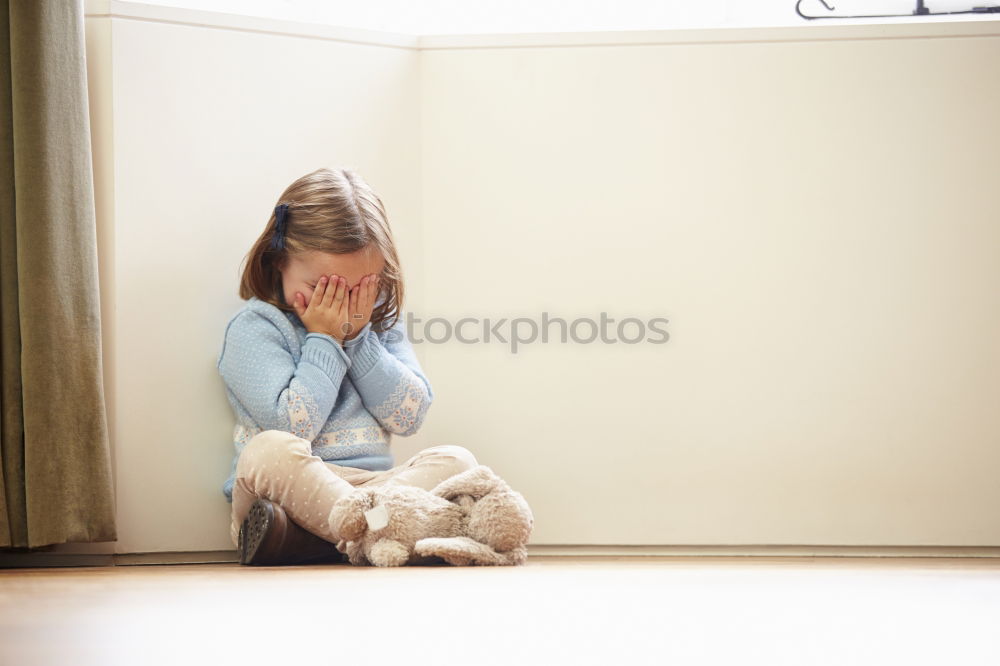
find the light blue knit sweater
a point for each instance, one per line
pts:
(348, 401)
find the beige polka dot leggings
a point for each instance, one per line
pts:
(280, 466)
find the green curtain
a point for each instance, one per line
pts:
(55, 485)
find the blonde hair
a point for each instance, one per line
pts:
(332, 211)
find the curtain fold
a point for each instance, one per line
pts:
(55, 463)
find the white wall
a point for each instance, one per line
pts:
(205, 126)
(816, 219)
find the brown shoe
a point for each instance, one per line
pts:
(268, 536)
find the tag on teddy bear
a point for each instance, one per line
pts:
(377, 518)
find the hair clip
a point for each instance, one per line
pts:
(280, 220)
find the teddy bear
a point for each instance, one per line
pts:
(470, 518)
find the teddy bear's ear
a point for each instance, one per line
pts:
(347, 517)
(477, 481)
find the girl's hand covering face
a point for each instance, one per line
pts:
(362, 302)
(335, 312)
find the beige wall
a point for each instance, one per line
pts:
(818, 220)
(206, 126)
(812, 210)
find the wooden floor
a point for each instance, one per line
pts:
(589, 610)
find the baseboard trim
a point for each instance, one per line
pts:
(33, 560)
(581, 550)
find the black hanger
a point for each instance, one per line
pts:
(919, 11)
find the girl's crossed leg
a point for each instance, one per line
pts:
(280, 466)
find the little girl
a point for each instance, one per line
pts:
(320, 373)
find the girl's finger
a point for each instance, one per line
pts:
(341, 289)
(368, 296)
(353, 307)
(318, 292)
(358, 304)
(339, 302)
(331, 291)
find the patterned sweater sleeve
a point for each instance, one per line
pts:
(278, 394)
(387, 375)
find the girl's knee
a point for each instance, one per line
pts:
(459, 457)
(270, 446)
